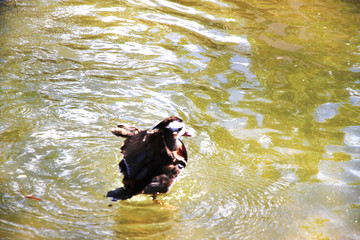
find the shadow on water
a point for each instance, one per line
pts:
(141, 218)
(270, 87)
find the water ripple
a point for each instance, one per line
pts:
(17, 109)
(249, 204)
(194, 27)
(72, 71)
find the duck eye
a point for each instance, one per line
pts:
(180, 129)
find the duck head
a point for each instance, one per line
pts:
(173, 128)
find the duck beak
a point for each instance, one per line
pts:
(187, 134)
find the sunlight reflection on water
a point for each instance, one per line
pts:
(270, 90)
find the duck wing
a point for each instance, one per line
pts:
(145, 154)
(124, 130)
(162, 182)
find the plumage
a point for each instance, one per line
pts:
(152, 158)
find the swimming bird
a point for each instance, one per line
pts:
(152, 159)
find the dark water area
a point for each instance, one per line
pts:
(271, 88)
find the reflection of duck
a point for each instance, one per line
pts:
(152, 158)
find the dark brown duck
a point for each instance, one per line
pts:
(152, 158)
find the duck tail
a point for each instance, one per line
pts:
(120, 194)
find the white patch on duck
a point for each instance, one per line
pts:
(177, 127)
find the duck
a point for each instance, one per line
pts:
(152, 159)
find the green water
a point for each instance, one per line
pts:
(271, 88)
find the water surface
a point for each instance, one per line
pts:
(271, 88)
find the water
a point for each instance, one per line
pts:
(271, 88)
